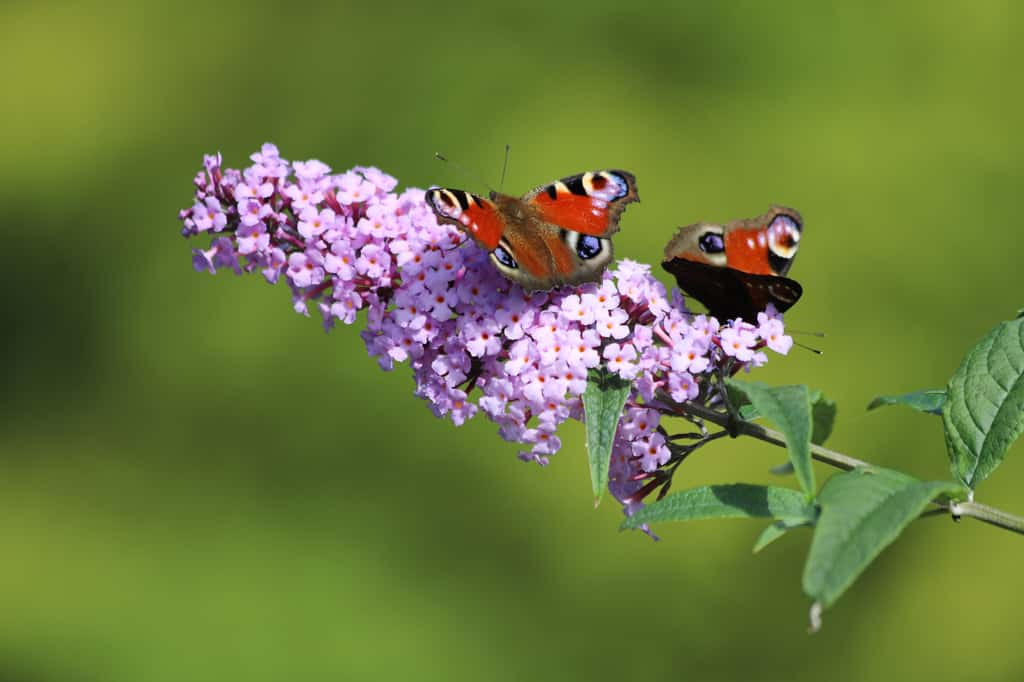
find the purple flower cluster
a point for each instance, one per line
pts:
(348, 242)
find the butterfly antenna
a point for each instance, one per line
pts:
(820, 335)
(804, 332)
(816, 351)
(504, 167)
(476, 176)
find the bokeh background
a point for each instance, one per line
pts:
(198, 484)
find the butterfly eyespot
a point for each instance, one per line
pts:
(605, 186)
(711, 242)
(504, 258)
(449, 204)
(783, 237)
(784, 226)
(588, 246)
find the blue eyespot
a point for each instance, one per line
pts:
(711, 242)
(504, 257)
(588, 246)
(785, 222)
(784, 231)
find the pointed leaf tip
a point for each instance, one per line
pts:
(732, 501)
(984, 410)
(823, 416)
(777, 529)
(929, 400)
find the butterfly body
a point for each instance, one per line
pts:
(556, 234)
(737, 269)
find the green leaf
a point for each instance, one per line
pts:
(748, 413)
(742, 404)
(603, 399)
(984, 410)
(776, 530)
(734, 501)
(929, 400)
(788, 407)
(862, 512)
(823, 416)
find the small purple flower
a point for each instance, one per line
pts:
(346, 306)
(313, 223)
(651, 450)
(341, 260)
(253, 239)
(384, 182)
(209, 215)
(302, 197)
(770, 329)
(274, 264)
(689, 356)
(221, 254)
(481, 338)
(682, 387)
(305, 268)
(579, 309)
(739, 342)
(253, 211)
(514, 319)
(619, 359)
(353, 189)
(611, 323)
(310, 172)
(258, 192)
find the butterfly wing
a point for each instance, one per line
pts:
(736, 270)
(476, 216)
(588, 203)
(729, 293)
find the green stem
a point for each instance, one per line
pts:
(983, 512)
(974, 510)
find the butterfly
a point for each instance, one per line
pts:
(555, 234)
(736, 270)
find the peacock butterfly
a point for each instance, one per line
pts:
(555, 234)
(737, 269)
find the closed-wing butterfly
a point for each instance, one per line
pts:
(555, 234)
(737, 269)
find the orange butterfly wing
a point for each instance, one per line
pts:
(473, 214)
(588, 203)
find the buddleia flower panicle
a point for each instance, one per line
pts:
(349, 243)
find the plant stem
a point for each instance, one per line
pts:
(975, 510)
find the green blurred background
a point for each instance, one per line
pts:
(198, 484)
